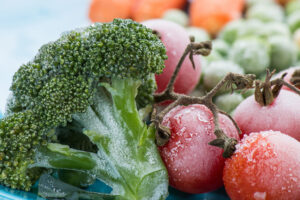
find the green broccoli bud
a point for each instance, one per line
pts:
(146, 91)
(20, 133)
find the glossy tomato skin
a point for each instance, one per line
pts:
(175, 38)
(265, 166)
(282, 115)
(193, 165)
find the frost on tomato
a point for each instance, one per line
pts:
(266, 165)
(282, 115)
(193, 165)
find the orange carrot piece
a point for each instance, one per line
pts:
(212, 15)
(149, 9)
(107, 10)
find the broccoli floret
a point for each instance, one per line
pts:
(101, 66)
(145, 91)
(20, 133)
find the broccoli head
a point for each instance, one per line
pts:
(89, 76)
(60, 80)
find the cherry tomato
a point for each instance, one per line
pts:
(282, 115)
(193, 165)
(265, 166)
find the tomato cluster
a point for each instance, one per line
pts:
(266, 163)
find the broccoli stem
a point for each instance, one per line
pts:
(127, 159)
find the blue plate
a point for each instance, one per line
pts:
(11, 194)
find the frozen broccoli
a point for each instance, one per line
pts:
(89, 77)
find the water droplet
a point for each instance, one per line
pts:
(260, 195)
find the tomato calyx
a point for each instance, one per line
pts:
(267, 91)
(226, 143)
(295, 79)
(264, 93)
(162, 133)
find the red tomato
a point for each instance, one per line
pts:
(175, 38)
(282, 115)
(193, 165)
(265, 166)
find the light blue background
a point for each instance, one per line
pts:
(27, 24)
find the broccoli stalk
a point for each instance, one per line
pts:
(91, 77)
(127, 159)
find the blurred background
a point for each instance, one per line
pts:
(26, 25)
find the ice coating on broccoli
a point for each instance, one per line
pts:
(20, 133)
(64, 72)
(62, 80)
